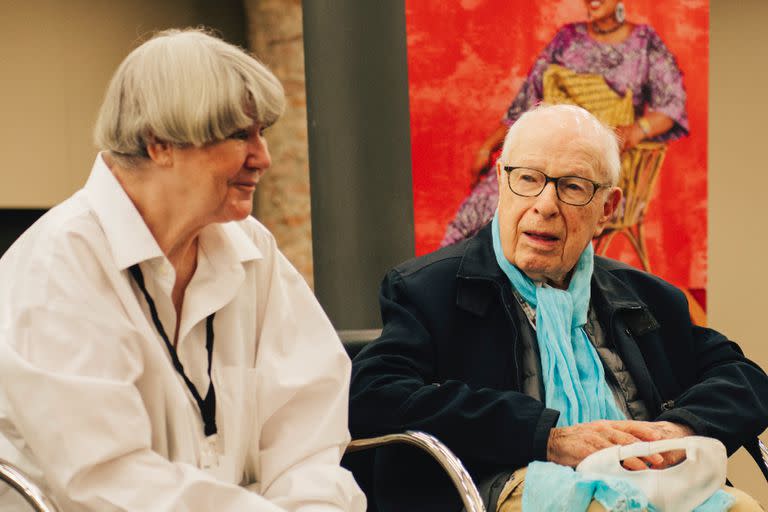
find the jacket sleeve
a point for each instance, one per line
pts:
(719, 392)
(396, 387)
(728, 398)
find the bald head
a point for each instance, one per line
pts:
(573, 126)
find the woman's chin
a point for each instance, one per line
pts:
(236, 212)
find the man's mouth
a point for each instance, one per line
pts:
(541, 236)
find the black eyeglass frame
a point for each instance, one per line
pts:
(548, 179)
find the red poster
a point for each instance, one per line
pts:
(469, 59)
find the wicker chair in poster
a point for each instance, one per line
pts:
(639, 165)
(639, 170)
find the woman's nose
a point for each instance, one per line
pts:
(258, 153)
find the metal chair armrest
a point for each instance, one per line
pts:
(11, 475)
(460, 477)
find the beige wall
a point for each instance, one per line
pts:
(737, 294)
(54, 77)
(56, 57)
(282, 198)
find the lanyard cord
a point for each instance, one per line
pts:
(208, 405)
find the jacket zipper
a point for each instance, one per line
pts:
(655, 391)
(510, 318)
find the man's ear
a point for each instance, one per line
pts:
(609, 208)
(499, 172)
(160, 152)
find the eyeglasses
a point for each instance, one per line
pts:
(573, 190)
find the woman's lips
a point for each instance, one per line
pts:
(248, 183)
(595, 4)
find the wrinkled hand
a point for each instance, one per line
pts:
(570, 445)
(629, 136)
(669, 430)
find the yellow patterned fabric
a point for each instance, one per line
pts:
(590, 91)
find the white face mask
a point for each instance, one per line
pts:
(681, 487)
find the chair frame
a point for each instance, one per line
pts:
(460, 477)
(764, 453)
(31, 493)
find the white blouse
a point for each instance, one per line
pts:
(91, 406)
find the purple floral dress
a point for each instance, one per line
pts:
(642, 63)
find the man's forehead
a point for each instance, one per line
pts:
(559, 125)
(554, 152)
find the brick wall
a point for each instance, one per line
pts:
(282, 198)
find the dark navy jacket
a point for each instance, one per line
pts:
(448, 362)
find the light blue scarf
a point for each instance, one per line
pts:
(549, 486)
(573, 375)
(574, 384)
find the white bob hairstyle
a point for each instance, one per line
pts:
(184, 87)
(599, 139)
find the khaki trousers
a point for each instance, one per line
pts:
(511, 497)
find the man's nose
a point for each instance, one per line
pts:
(547, 202)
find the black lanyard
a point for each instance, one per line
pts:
(207, 406)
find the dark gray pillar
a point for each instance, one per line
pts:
(359, 152)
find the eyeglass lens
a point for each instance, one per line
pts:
(570, 189)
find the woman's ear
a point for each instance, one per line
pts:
(160, 152)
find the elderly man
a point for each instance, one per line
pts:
(520, 345)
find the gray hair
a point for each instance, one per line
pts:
(184, 87)
(602, 141)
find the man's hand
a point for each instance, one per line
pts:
(570, 445)
(669, 430)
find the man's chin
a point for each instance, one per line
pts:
(534, 272)
(543, 271)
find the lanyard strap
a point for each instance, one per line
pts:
(208, 405)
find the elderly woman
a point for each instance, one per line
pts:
(157, 350)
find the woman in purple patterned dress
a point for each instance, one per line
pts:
(628, 56)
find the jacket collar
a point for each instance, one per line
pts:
(479, 261)
(478, 269)
(615, 292)
(478, 273)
